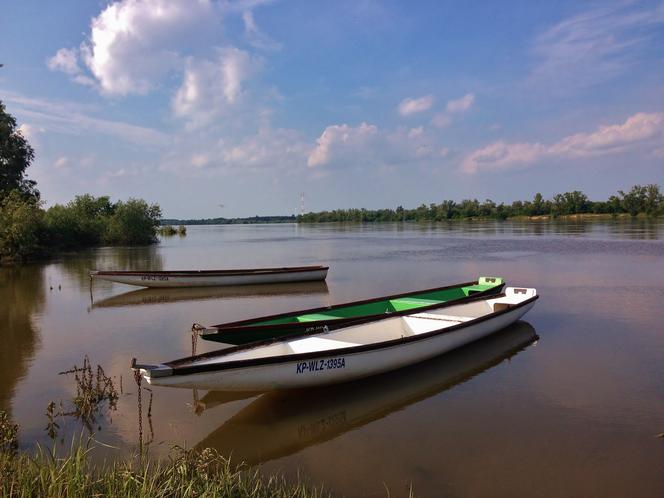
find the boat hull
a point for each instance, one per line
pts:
(330, 367)
(214, 279)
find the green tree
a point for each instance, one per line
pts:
(537, 207)
(16, 154)
(634, 201)
(21, 226)
(654, 200)
(80, 223)
(133, 222)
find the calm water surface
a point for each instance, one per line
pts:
(568, 402)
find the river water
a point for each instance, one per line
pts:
(568, 402)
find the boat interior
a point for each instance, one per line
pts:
(382, 330)
(404, 303)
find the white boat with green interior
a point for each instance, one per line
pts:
(350, 352)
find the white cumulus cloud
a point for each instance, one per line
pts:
(641, 129)
(209, 86)
(340, 137)
(65, 60)
(133, 44)
(412, 106)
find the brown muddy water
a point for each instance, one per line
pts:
(569, 402)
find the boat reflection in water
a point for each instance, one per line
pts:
(166, 295)
(281, 423)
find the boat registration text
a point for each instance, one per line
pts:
(318, 365)
(159, 278)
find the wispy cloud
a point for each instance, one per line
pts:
(455, 106)
(640, 130)
(462, 104)
(594, 46)
(257, 38)
(413, 106)
(71, 118)
(344, 146)
(268, 149)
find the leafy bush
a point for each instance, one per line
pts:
(21, 226)
(80, 223)
(133, 222)
(167, 231)
(26, 230)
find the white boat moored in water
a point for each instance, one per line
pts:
(350, 352)
(212, 278)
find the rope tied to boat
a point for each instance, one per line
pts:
(138, 378)
(196, 329)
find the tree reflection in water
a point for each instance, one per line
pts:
(22, 295)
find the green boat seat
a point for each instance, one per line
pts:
(472, 289)
(408, 303)
(314, 317)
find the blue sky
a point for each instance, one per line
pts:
(196, 104)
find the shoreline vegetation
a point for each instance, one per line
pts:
(185, 473)
(170, 230)
(55, 469)
(28, 231)
(640, 201)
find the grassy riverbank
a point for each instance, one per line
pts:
(184, 474)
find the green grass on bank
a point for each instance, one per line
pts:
(183, 474)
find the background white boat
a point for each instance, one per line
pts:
(345, 354)
(141, 297)
(212, 278)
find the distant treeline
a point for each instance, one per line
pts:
(231, 221)
(646, 200)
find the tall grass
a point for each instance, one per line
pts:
(184, 474)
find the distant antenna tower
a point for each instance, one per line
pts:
(302, 203)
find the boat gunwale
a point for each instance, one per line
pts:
(362, 348)
(194, 273)
(241, 324)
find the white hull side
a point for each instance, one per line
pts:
(215, 280)
(356, 365)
